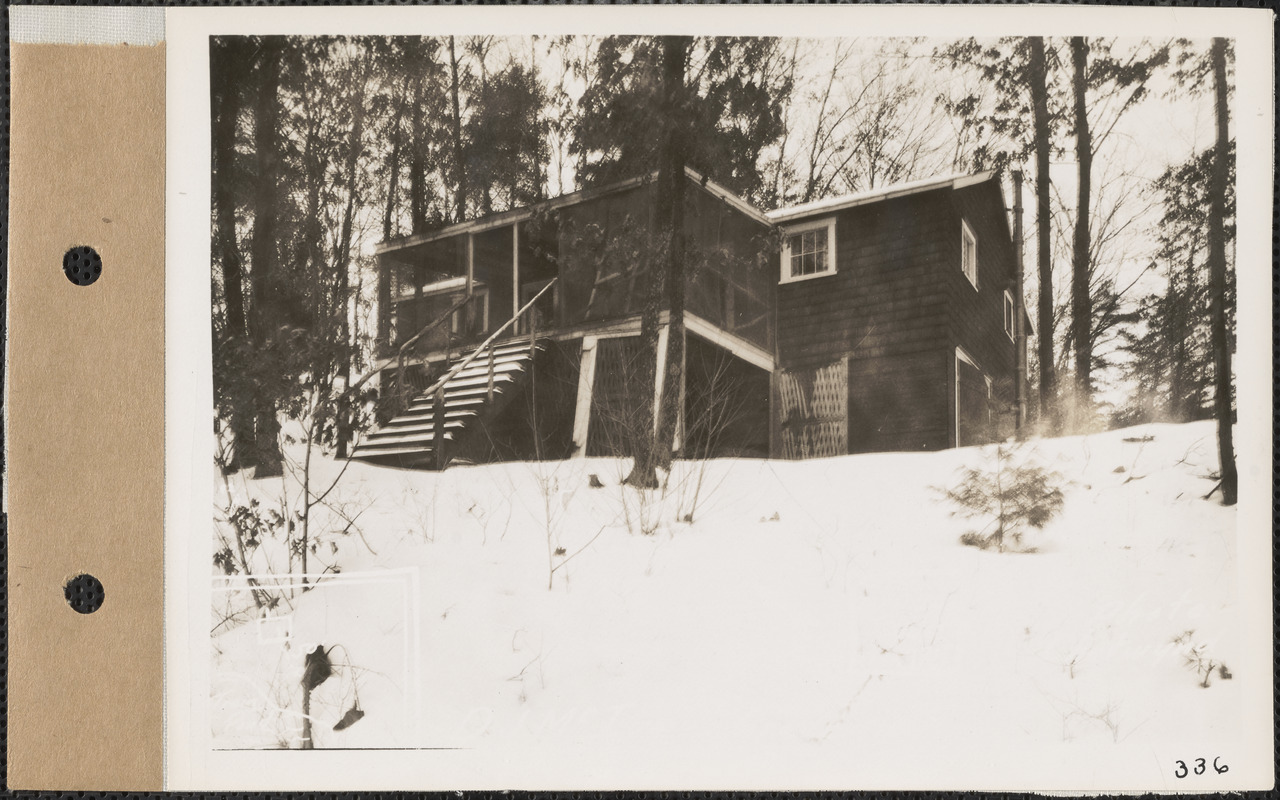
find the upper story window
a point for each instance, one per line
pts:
(1008, 314)
(969, 253)
(809, 250)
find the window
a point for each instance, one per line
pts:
(1009, 311)
(809, 250)
(477, 311)
(969, 253)
(544, 310)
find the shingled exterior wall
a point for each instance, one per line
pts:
(897, 307)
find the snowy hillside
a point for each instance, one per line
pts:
(822, 604)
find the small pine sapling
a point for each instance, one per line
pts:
(1009, 492)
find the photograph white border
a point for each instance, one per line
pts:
(190, 764)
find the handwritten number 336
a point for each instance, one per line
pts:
(1199, 768)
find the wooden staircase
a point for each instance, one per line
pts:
(469, 395)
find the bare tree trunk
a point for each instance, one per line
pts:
(1218, 277)
(269, 460)
(459, 152)
(417, 161)
(343, 265)
(1044, 263)
(383, 335)
(669, 202)
(226, 113)
(675, 51)
(1081, 317)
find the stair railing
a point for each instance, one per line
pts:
(428, 328)
(437, 389)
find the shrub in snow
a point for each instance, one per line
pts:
(1195, 657)
(1010, 493)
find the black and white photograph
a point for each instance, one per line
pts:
(860, 403)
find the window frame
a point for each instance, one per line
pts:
(789, 231)
(967, 235)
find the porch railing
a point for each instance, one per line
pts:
(436, 390)
(411, 341)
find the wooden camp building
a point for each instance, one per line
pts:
(872, 322)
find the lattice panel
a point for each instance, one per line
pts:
(815, 411)
(616, 403)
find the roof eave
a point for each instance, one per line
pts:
(784, 215)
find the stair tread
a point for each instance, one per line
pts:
(428, 413)
(504, 349)
(384, 433)
(412, 432)
(416, 439)
(426, 427)
(467, 395)
(481, 367)
(478, 380)
(392, 450)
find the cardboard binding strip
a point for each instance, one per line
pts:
(85, 417)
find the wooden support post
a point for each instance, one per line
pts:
(468, 317)
(582, 409)
(677, 441)
(515, 269)
(660, 375)
(419, 277)
(775, 421)
(437, 446)
(533, 329)
(489, 393)
(402, 398)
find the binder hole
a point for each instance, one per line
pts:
(82, 265)
(84, 593)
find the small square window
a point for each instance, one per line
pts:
(969, 253)
(809, 251)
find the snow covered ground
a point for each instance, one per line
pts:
(821, 606)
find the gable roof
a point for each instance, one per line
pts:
(831, 204)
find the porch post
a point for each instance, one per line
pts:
(582, 409)
(419, 276)
(677, 441)
(775, 424)
(515, 269)
(660, 377)
(469, 315)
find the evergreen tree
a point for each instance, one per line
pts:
(1170, 353)
(507, 138)
(735, 110)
